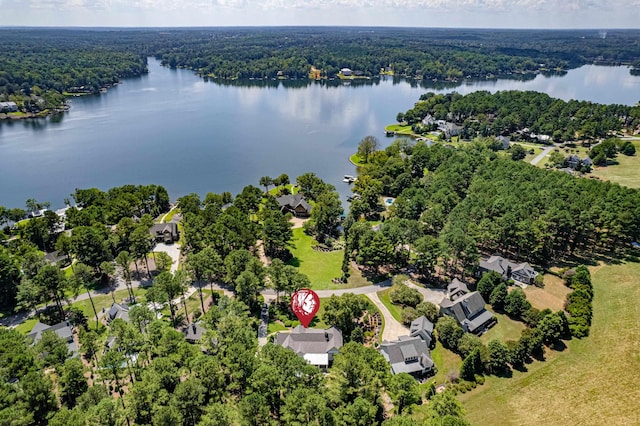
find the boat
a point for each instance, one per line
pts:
(389, 133)
(348, 179)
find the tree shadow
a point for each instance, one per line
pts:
(296, 262)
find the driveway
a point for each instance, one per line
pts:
(173, 250)
(433, 295)
(543, 154)
(392, 328)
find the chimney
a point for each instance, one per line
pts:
(326, 336)
(193, 327)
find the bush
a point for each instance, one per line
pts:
(516, 303)
(579, 302)
(488, 283)
(408, 315)
(428, 310)
(449, 332)
(401, 294)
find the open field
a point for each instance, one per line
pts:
(357, 160)
(592, 382)
(399, 129)
(552, 296)
(626, 172)
(505, 329)
(319, 266)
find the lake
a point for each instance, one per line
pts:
(174, 129)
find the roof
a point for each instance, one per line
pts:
(291, 201)
(161, 228)
(194, 332)
(118, 311)
(311, 340)
(407, 355)
(421, 324)
(505, 267)
(468, 310)
(54, 257)
(457, 286)
(62, 329)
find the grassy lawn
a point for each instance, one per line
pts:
(105, 301)
(446, 361)
(293, 189)
(505, 329)
(27, 326)
(320, 267)
(529, 157)
(193, 302)
(626, 172)
(357, 160)
(399, 129)
(552, 295)
(590, 381)
(274, 327)
(169, 216)
(396, 311)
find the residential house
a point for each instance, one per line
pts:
(505, 141)
(456, 289)
(55, 257)
(64, 330)
(521, 272)
(165, 232)
(468, 309)
(8, 107)
(315, 345)
(118, 311)
(346, 72)
(576, 163)
(408, 354)
(423, 328)
(193, 332)
(294, 204)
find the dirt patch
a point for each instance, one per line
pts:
(552, 296)
(297, 222)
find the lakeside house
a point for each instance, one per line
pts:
(193, 332)
(468, 308)
(346, 72)
(294, 204)
(505, 141)
(8, 107)
(165, 232)
(410, 354)
(315, 345)
(521, 272)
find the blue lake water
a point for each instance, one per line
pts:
(172, 128)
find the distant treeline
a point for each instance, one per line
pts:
(47, 62)
(502, 113)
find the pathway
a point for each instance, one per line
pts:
(433, 295)
(543, 154)
(392, 328)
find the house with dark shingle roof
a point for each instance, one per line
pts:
(408, 354)
(315, 345)
(193, 332)
(64, 330)
(294, 204)
(470, 312)
(456, 288)
(522, 272)
(165, 232)
(423, 328)
(120, 311)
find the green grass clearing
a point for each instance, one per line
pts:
(626, 172)
(319, 266)
(395, 310)
(447, 362)
(590, 381)
(27, 326)
(505, 329)
(357, 160)
(399, 129)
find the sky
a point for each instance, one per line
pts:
(598, 14)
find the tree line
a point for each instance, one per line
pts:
(510, 112)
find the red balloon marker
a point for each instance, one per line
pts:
(305, 304)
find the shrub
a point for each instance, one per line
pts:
(488, 283)
(516, 303)
(408, 315)
(449, 332)
(428, 310)
(401, 294)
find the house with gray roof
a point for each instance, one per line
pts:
(120, 311)
(408, 354)
(423, 328)
(165, 232)
(193, 332)
(522, 272)
(505, 141)
(470, 312)
(64, 330)
(8, 107)
(294, 204)
(315, 345)
(456, 289)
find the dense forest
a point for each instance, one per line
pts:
(452, 205)
(509, 112)
(38, 66)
